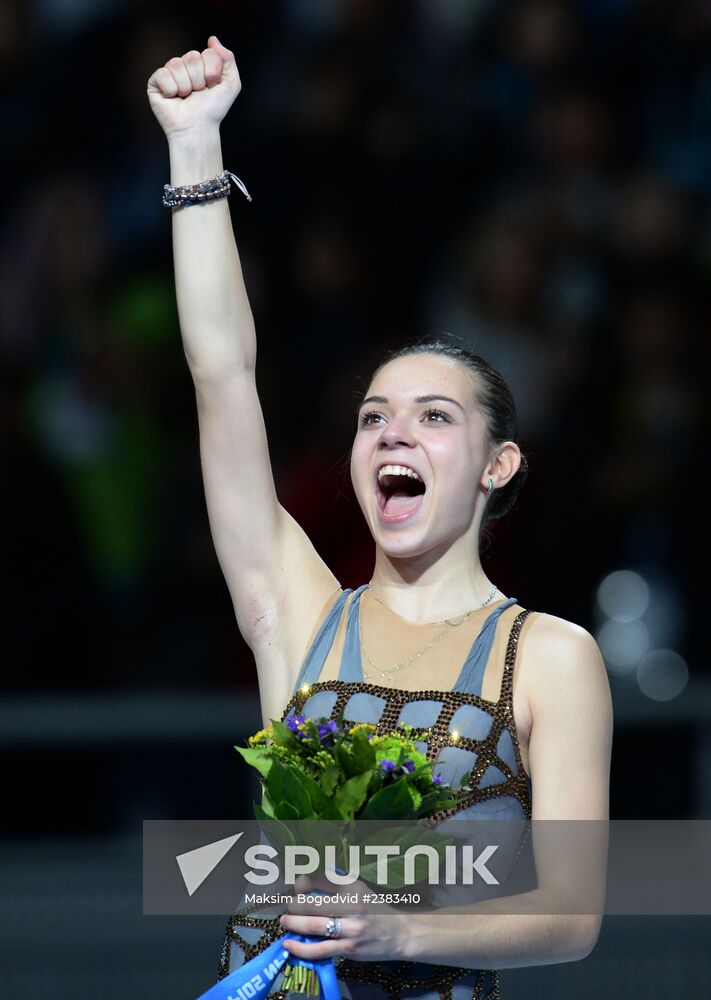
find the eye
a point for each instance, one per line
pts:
(369, 417)
(439, 416)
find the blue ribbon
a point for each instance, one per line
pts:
(254, 980)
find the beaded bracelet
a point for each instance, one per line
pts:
(195, 194)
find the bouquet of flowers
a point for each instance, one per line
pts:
(323, 769)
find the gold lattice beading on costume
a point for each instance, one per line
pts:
(393, 981)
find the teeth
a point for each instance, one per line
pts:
(397, 470)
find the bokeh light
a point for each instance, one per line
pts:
(662, 674)
(623, 595)
(623, 644)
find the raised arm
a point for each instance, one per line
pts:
(277, 581)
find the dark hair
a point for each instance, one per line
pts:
(496, 402)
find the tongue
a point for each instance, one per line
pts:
(401, 503)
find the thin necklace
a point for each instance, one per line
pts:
(449, 624)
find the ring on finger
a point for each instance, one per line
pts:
(333, 927)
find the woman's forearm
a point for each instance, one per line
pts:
(215, 317)
(492, 938)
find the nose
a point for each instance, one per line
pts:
(396, 433)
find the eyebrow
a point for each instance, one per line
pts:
(418, 399)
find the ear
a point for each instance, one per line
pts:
(503, 466)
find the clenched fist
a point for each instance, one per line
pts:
(195, 90)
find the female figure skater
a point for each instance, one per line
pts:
(518, 698)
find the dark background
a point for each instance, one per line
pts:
(533, 177)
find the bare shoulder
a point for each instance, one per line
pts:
(550, 629)
(560, 657)
(571, 720)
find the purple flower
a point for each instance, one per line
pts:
(437, 780)
(294, 723)
(327, 729)
(409, 766)
(387, 766)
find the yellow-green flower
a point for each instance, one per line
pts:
(388, 746)
(361, 727)
(322, 760)
(260, 738)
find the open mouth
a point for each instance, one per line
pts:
(399, 492)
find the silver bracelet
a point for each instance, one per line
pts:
(195, 194)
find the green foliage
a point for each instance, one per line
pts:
(327, 771)
(350, 797)
(404, 838)
(259, 757)
(324, 769)
(288, 793)
(399, 800)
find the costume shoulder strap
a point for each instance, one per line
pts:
(506, 695)
(322, 642)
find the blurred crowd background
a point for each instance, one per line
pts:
(532, 176)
